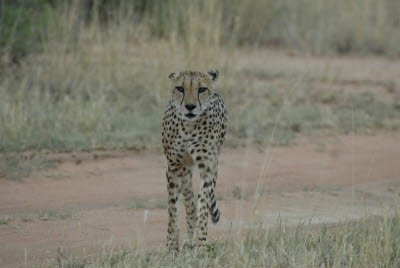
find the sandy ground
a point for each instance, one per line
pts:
(90, 198)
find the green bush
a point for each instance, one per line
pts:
(22, 26)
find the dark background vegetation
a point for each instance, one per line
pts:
(373, 27)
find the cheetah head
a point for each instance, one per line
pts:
(192, 92)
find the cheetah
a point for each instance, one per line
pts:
(194, 127)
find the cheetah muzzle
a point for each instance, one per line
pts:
(194, 128)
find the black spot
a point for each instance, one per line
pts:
(201, 165)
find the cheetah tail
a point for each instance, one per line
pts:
(214, 211)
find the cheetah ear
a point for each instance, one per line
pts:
(173, 76)
(213, 74)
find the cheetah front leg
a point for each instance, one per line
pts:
(190, 205)
(206, 194)
(174, 178)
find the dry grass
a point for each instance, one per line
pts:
(372, 242)
(105, 86)
(108, 88)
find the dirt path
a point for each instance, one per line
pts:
(116, 199)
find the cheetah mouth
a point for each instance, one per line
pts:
(190, 115)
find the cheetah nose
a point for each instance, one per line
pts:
(190, 107)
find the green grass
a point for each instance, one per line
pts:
(47, 215)
(28, 217)
(51, 214)
(43, 214)
(5, 220)
(373, 242)
(322, 188)
(238, 193)
(16, 166)
(148, 204)
(58, 176)
(220, 196)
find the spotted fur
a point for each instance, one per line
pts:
(194, 127)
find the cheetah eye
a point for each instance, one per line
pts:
(202, 89)
(180, 89)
